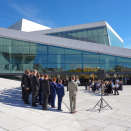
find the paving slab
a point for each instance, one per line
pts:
(16, 116)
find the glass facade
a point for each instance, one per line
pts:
(113, 39)
(17, 56)
(95, 35)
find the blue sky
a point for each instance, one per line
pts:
(60, 13)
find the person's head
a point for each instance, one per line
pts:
(89, 80)
(25, 71)
(92, 81)
(50, 80)
(77, 79)
(38, 75)
(54, 79)
(110, 81)
(60, 81)
(45, 76)
(31, 72)
(73, 77)
(67, 79)
(28, 72)
(41, 75)
(116, 83)
(34, 72)
(120, 82)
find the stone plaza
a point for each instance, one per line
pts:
(16, 116)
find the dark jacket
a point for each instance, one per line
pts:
(45, 87)
(23, 80)
(34, 83)
(27, 82)
(120, 87)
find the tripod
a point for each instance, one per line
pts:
(100, 102)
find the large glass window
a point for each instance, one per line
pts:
(73, 58)
(123, 67)
(41, 68)
(107, 59)
(96, 34)
(52, 68)
(71, 51)
(73, 67)
(122, 59)
(109, 67)
(38, 59)
(56, 59)
(91, 67)
(55, 50)
(90, 58)
(41, 49)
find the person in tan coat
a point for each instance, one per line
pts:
(73, 89)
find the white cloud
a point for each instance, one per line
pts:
(31, 13)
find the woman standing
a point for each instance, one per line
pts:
(45, 90)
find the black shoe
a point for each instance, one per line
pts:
(53, 107)
(117, 94)
(46, 109)
(59, 110)
(114, 94)
(34, 105)
(40, 103)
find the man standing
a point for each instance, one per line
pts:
(35, 87)
(23, 85)
(73, 89)
(45, 85)
(27, 86)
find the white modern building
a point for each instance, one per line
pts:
(80, 50)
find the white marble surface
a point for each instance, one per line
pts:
(16, 116)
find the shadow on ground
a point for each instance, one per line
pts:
(13, 97)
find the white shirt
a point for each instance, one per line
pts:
(116, 85)
(78, 82)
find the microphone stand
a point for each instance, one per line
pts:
(100, 102)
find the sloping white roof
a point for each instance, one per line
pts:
(27, 26)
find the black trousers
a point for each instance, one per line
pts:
(116, 91)
(34, 95)
(23, 93)
(45, 101)
(27, 92)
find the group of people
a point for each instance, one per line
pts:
(44, 90)
(105, 87)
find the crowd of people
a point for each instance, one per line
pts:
(104, 87)
(44, 90)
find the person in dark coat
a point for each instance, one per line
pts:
(45, 85)
(67, 83)
(35, 87)
(49, 98)
(60, 93)
(40, 89)
(53, 92)
(27, 86)
(106, 88)
(23, 85)
(109, 88)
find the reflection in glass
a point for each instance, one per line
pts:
(55, 50)
(73, 58)
(52, 68)
(123, 67)
(56, 59)
(91, 58)
(73, 67)
(91, 67)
